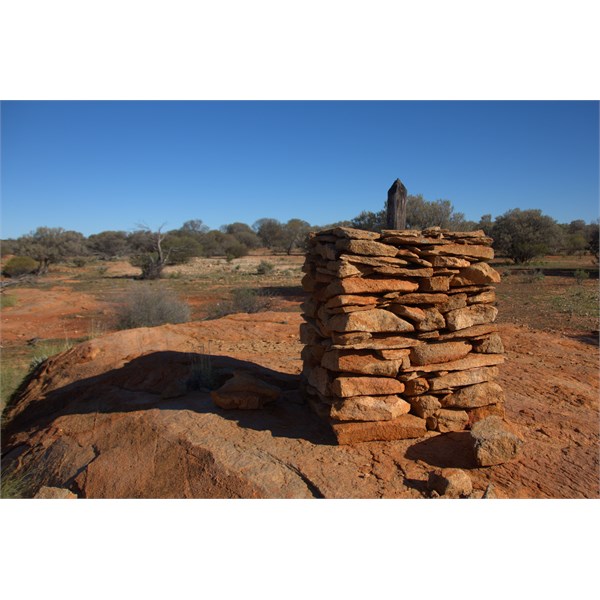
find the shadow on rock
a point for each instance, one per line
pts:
(160, 380)
(453, 449)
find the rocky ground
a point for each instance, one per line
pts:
(121, 416)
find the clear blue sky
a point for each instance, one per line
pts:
(93, 166)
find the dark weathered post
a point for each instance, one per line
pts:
(396, 206)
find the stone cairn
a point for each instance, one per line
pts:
(399, 335)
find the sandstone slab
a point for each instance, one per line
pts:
(425, 406)
(474, 396)
(404, 427)
(438, 353)
(346, 387)
(470, 361)
(435, 284)
(375, 320)
(351, 300)
(365, 247)
(416, 386)
(463, 378)
(483, 412)
(244, 391)
(475, 314)
(360, 363)
(461, 250)
(369, 408)
(491, 344)
(446, 420)
(360, 285)
(477, 273)
(54, 493)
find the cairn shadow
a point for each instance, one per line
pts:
(160, 380)
(453, 449)
(591, 338)
(288, 292)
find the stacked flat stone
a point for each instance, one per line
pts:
(399, 332)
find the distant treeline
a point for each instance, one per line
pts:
(520, 235)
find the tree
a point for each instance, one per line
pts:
(420, 214)
(369, 220)
(243, 234)
(270, 232)
(152, 251)
(195, 226)
(294, 234)
(486, 224)
(182, 246)
(50, 245)
(108, 244)
(521, 235)
(593, 243)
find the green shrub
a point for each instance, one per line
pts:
(581, 275)
(80, 262)
(6, 300)
(149, 306)
(20, 265)
(534, 276)
(264, 268)
(243, 300)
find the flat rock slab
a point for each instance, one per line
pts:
(404, 427)
(362, 364)
(474, 396)
(244, 391)
(462, 378)
(54, 493)
(365, 247)
(439, 353)
(477, 314)
(346, 387)
(470, 361)
(359, 285)
(461, 250)
(369, 408)
(375, 320)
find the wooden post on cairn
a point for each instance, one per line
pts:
(396, 206)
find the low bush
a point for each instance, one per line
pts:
(264, 268)
(581, 275)
(243, 300)
(79, 262)
(149, 306)
(20, 265)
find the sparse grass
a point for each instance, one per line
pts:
(7, 300)
(18, 362)
(552, 303)
(13, 486)
(534, 276)
(12, 375)
(148, 305)
(243, 300)
(577, 302)
(203, 375)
